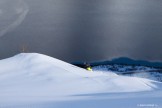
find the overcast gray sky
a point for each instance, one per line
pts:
(82, 30)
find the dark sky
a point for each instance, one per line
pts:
(82, 30)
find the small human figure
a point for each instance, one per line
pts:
(87, 66)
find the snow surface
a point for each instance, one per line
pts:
(151, 73)
(31, 80)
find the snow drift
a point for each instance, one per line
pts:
(34, 77)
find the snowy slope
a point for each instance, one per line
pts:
(151, 73)
(32, 77)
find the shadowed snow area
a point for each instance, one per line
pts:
(32, 77)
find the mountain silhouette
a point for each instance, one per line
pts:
(122, 61)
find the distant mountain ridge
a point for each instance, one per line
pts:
(129, 61)
(123, 61)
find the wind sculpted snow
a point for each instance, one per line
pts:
(31, 78)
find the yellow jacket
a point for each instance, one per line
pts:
(89, 68)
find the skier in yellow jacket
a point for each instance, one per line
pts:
(87, 66)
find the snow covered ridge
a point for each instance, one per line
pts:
(124, 68)
(132, 70)
(32, 77)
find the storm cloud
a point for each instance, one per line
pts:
(19, 10)
(82, 30)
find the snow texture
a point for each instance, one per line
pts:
(31, 80)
